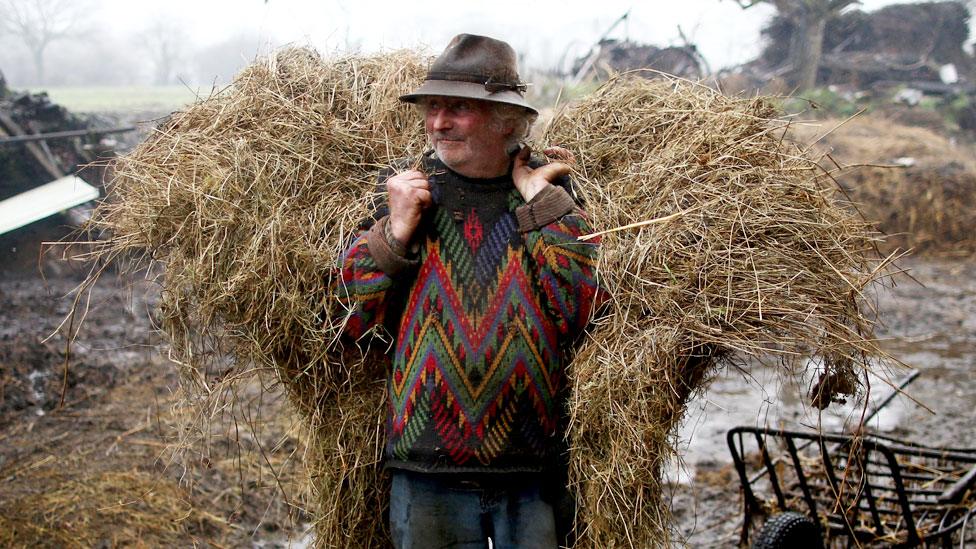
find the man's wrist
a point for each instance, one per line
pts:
(395, 244)
(532, 190)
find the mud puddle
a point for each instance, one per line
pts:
(766, 398)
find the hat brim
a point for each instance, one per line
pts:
(467, 90)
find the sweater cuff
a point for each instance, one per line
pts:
(546, 206)
(383, 254)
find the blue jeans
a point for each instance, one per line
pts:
(433, 511)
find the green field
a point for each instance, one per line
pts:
(88, 99)
(122, 98)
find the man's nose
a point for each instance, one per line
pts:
(442, 120)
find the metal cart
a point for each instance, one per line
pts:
(851, 490)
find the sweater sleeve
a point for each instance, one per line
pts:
(371, 272)
(567, 267)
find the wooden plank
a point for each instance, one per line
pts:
(46, 200)
(45, 160)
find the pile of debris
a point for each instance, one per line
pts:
(916, 44)
(48, 164)
(27, 164)
(615, 56)
(916, 185)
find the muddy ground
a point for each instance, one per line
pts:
(929, 324)
(97, 470)
(86, 452)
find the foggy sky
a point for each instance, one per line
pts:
(543, 31)
(118, 41)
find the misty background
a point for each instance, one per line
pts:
(204, 43)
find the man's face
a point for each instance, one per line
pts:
(465, 136)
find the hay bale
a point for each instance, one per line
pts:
(917, 185)
(750, 254)
(249, 198)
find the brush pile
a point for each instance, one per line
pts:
(904, 42)
(249, 198)
(915, 184)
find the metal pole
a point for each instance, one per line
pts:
(28, 138)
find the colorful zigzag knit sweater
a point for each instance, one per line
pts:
(482, 317)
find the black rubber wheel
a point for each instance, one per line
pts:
(789, 530)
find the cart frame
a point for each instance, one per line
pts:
(869, 488)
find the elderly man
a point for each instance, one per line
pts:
(472, 263)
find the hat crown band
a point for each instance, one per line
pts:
(490, 82)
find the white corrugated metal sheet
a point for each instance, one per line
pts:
(46, 200)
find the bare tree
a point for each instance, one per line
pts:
(166, 43)
(809, 19)
(38, 23)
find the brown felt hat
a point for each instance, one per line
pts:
(474, 67)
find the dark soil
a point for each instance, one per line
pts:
(100, 469)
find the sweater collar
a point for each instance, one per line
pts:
(503, 182)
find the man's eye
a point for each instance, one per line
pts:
(462, 107)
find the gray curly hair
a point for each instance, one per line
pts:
(511, 116)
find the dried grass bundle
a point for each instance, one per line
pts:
(744, 250)
(248, 199)
(125, 508)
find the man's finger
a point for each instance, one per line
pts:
(419, 181)
(412, 175)
(561, 154)
(423, 198)
(553, 171)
